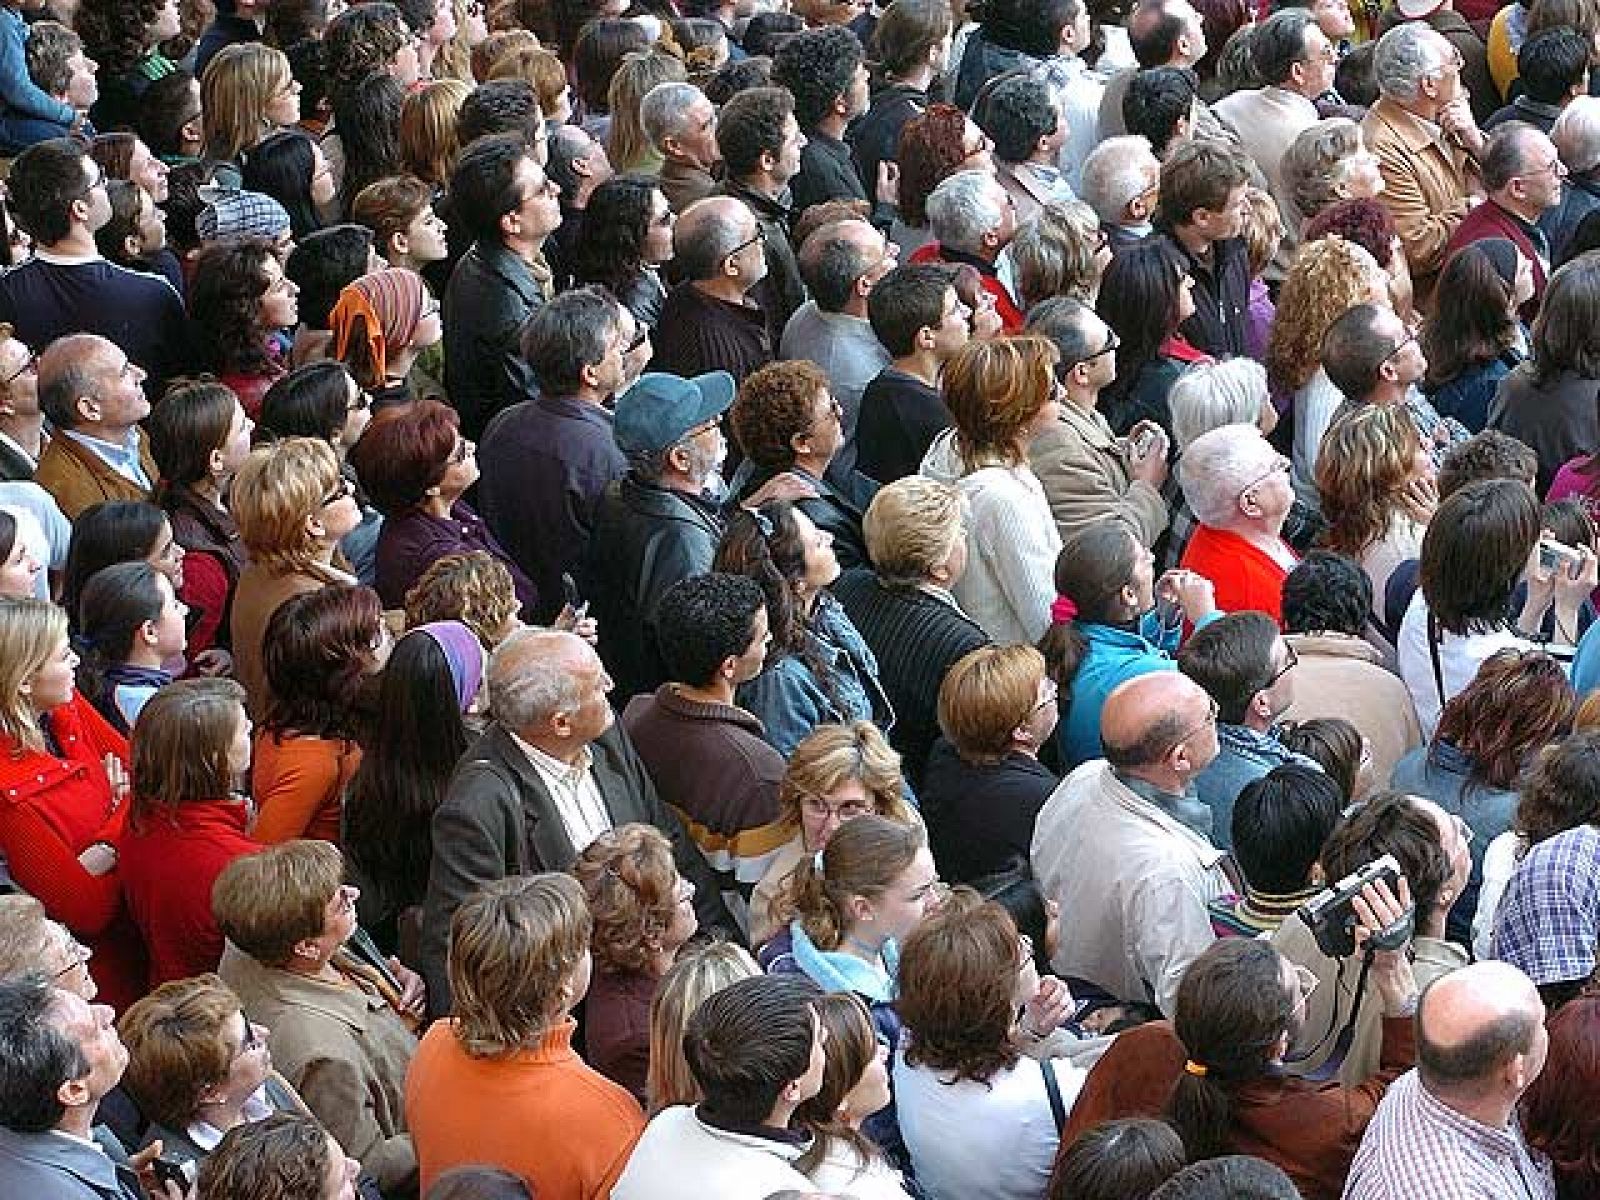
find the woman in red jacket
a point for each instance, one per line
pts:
(191, 751)
(63, 783)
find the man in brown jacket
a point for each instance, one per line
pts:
(1426, 142)
(94, 398)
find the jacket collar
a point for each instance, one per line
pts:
(652, 500)
(837, 971)
(353, 1006)
(675, 702)
(517, 273)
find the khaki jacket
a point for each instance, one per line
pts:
(1084, 470)
(78, 477)
(1344, 676)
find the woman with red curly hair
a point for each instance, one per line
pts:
(643, 913)
(414, 465)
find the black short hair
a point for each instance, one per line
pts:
(749, 1041)
(751, 124)
(1126, 1157)
(483, 187)
(767, 31)
(570, 333)
(1353, 353)
(1156, 100)
(1280, 823)
(1356, 76)
(908, 299)
(310, 401)
(1327, 593)
(36, 1057)
(1390, 823)
(1231, 1177)
(1016, 113)
(46, 179)
(167, 105)
(817, 65)
(499, 106)
(1232, 659)
(323, 263)
(1278, 43)
(704, 621)
(1553, 62)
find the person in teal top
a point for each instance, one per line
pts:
(1113, 620)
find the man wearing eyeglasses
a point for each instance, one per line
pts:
(1523, 174)
(712, 320)
(1244, 665)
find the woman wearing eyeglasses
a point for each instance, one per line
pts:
(415, 466)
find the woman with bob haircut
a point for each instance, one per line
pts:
(19, 569)
(322, 650)
(1001, 394)
(985, 784)
(428, 140)
(239, 302)
(838, 773)
(1376, 484)
(292, 506)
(406, 230)
(131, 626)
(341, 1033)
(971, 1107)
(916, 536)
(200, 437)
(692, 978)
(643, 913)
(1481, 543)
(318, 400)
(818, 668)
(1474, 338)
(474, 588)
(627, 236)
(281, 1157)
(418, 732)
(499, 1082)
(198, 1067)
(1489, 734)
(191, 758)
(246, 92)
(63, 783)
(415, 465)
(1558, 1114)
(289, 166)
(1328, 162)
(855, 1086)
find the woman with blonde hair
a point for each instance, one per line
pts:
(628, 145)
(1377, 487)
(247, 92)
(474, 588)
(1329, 277)
(292, 506)
(63, 780)
(1001, 393)
(499, 1081)
(643, 913)
(1327, 163)
(428, 142)
(692, 978)
(837, 774)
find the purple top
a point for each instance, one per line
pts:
(1258, 321)
(411, 543)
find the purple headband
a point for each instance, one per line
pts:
(463, 652)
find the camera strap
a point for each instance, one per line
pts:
(1346, 1033)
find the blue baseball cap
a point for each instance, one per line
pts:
(659, 409)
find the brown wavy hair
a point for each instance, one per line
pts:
(631, 883)
(1520, 701)
(852, 1045)
(958, 982)
(1562, 791)
(1362, 468)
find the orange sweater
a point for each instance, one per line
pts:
(298, 784)
(542, 1114)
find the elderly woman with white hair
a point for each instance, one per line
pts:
(1576, 134)
(1239, 489)
(1328, 162)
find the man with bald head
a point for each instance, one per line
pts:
(1114, 845)
(93, 396)
(1449, 1129)
(712, 320)
(553, 772)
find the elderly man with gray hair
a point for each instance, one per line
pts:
(1122, 182)
(1239, 489)
(682, 125)
(712, 320)
(1422, 132)
(553, 773)
(1576, 135)
(973, 219)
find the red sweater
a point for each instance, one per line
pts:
(168, 868)
(1245, 578)
(52, 810)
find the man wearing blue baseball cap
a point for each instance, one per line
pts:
(656, 525)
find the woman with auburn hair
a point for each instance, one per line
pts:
(239, 302)
(322, 650)
(1328, 277)
(1489, 734)
(855, 1086)
(191, 759)
(63, 783)
(692, 978)
(1001, 394)
(1474, 338)
(415, 466)
(1376, 485)
(643, 913)
(428, 141)
(499, 1081)
(934, 146)
(977, 1117)
(247, 92)
(1558, 1113)
(839, 773)
(292, 506)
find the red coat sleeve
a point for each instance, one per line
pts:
(205, 590)
(47, 868)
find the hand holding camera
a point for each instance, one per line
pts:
(1384, 916)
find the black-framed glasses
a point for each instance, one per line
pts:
(459, 454)
(760, 237)
(29, 367)
(640, 336)
(1112, 343)
(1289, 664)
(1411, 336)
(251, 1041)
(1052, 693)
(341, 489)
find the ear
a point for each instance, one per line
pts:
(192, 132)
(768, 163)
(670, 146)
(1262, 703)
(74, 1093)
(88, 408)
(306, 948)
(800, 443)
(149, 633)
(729, 667)
(841, 104)
(133, 245)
(926, 338)
(589, 374)
(860, 909)
(214, 463)
(561, 724)
(399, 242)
(511, 224)
(315, 529)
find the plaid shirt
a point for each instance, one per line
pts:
(1549, 917)
(1418, 1148)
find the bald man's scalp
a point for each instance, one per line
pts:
(1472, 1022)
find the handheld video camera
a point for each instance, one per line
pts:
(1331, 917)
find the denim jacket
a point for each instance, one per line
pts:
(1243, 756)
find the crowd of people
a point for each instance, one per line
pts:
(727, 599)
